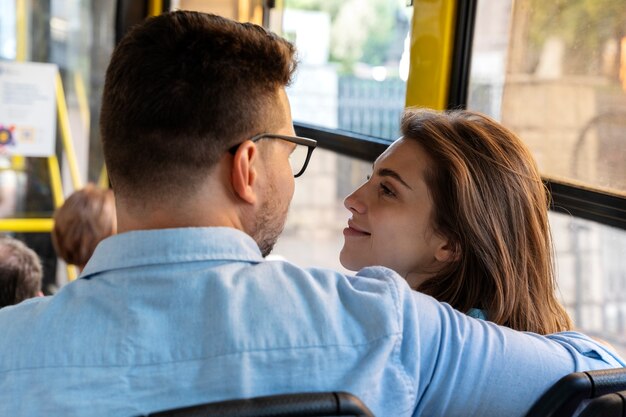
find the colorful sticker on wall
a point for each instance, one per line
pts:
(6, 135)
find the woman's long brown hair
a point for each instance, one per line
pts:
(490, 201)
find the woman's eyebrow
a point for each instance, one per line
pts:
(386, 172)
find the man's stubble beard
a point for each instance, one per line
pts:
(269, 223)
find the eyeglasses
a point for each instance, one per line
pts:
(298, 159)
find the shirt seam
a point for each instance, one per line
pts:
(396, 355)
(200, 358)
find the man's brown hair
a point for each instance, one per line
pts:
(490, 201)
(180, 90)
(20, 272)
(84, 219)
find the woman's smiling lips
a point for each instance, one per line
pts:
(353, 230)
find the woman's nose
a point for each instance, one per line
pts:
(355, 203)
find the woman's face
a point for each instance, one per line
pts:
(391, 222)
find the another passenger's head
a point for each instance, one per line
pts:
(183, 89)
(458, 208)
(20, 272)
(84, 219)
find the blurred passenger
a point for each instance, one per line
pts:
(458, 208)
(181, 308)
(20, 272)
(84, 219)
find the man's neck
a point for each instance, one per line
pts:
(211, 203)
(167, 219)
(206, 208)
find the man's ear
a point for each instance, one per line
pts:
(243, 172)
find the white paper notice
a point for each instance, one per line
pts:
(27, 108)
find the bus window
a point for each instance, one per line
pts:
(592, 277)
(353, 62)
(555, 73)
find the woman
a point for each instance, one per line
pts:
(84, 219)
(458, 208)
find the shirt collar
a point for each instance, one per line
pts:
(164, 246)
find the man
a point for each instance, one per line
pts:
(181, 308)
(20, 272)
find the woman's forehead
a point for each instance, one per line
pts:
(404, 151)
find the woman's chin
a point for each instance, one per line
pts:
(348, 263)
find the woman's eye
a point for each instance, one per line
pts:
(386, 190)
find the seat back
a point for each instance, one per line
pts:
(609, 405)
(565, 396)
(317, 404)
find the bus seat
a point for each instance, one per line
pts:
(315, 404)
(567, 394)
(609, 405)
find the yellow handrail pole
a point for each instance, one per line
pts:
(55, 181)
(432, 44)
(257, 13)
(103, 181)
(66, 135)
(83, 102)
(57, 197)
(243, 10)
(22, 31)
(72, 272)
(155, 7)
(18, 162)
(26, 225)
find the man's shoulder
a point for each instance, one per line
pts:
(374, 281)
(375, 276)
(16, 323)
(23, 310)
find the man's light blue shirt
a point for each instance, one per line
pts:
(170, 318)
